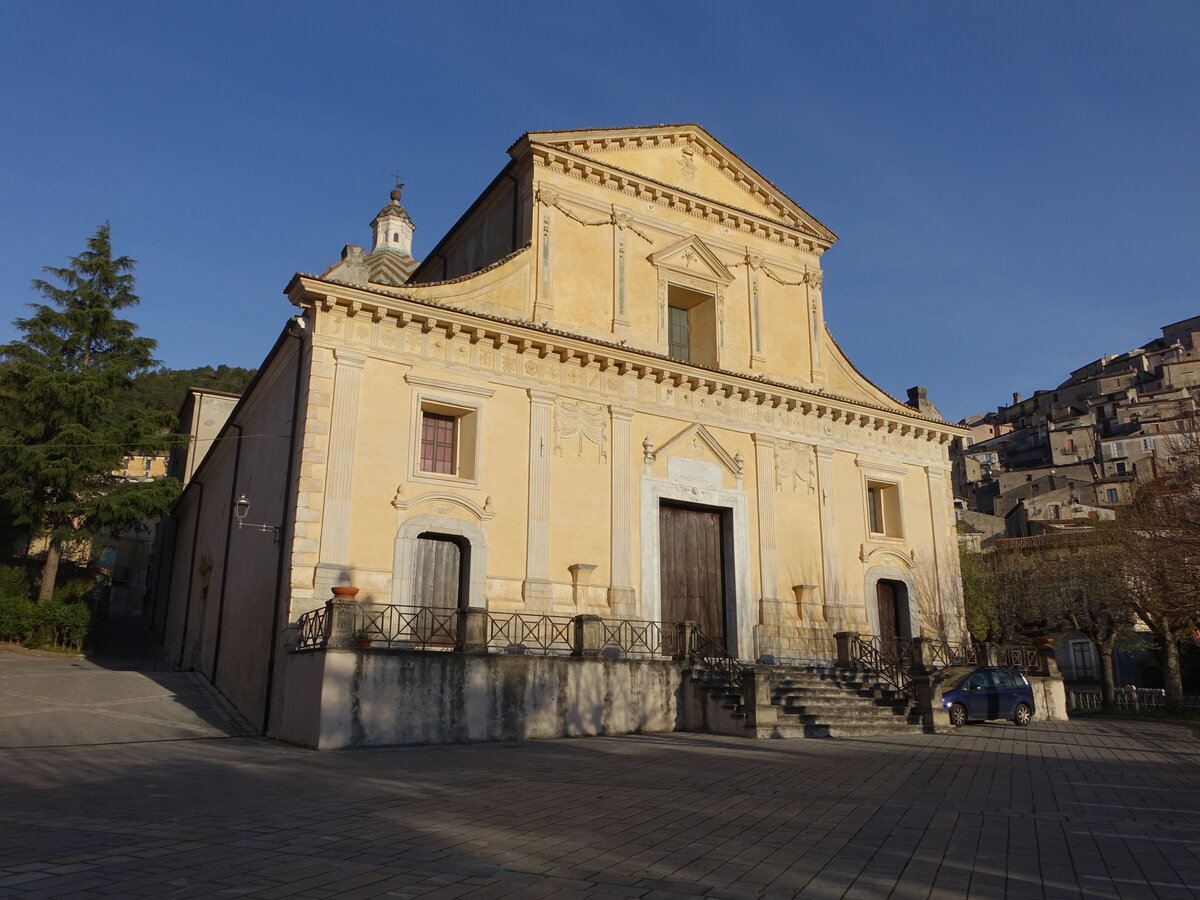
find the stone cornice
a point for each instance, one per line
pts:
(791, 232)
(379, 307)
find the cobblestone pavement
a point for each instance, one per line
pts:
(174, 806)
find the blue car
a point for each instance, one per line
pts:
(988, 692)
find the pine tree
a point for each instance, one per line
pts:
(64, 425)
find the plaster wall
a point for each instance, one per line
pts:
(220, 598)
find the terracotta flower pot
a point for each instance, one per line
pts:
(345, 592)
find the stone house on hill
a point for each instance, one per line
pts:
(607, 392)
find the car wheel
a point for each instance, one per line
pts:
(958, 715)
(1023, 714)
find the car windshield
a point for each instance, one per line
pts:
(953, 677)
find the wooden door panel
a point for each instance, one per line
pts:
(692, 577)
(436, 567)
(885, 596)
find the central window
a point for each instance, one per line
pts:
(439, 443)
(691, 326)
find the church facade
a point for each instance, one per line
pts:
(608, 390)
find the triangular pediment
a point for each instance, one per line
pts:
(690, 159)
(695, 442)
(691, 256)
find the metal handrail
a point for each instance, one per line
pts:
(889, 669)
(713, 656)
(311, 629)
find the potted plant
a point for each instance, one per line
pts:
(362, 638)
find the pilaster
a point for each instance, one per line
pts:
(832, 593)
(621, 596)
(816, 315)
(537, 590)
(764, 459)
(339, 469)
(543, 304)
(620, 321)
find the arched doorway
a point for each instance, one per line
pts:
(895, 622)
(441, 571)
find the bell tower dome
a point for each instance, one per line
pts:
(393, 227)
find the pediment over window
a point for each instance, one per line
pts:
(692, 258)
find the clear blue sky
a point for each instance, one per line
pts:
(1014, 184)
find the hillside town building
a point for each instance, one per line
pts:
(1078, 450)
(606, 399)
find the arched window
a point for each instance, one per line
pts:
(395, 237)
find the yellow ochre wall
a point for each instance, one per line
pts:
(783, 431)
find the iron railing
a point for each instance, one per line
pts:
(530, 633)
(433, 628)
(950, 653)
(407, 627)
(1137, 700)
(633, 638)
(712, 655)
(1024, 658)
(884, 661)
(312, 629)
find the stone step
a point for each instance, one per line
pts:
(833, 709)
(835, 730)
(834, 693)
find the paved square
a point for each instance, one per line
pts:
(128, 784)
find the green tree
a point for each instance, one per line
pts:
(66, 423)
(1159, 538)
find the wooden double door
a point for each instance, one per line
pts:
(694, 567)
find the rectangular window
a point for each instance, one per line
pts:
(679, 334)
(693, 333)
(1056, 511)
(1148, 444)
(874, 510)
(1116, 449)
(883, 510)
(1120, 468)
(1112, 495)
(1082, 659)
(438, 443)
(1069, 446)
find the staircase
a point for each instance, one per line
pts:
(799, 701)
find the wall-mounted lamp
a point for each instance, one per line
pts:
(240, 510)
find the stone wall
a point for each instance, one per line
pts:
(1050, 698)
(395, 697)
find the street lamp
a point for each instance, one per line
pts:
(240, 510)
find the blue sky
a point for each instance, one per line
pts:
(1015, 185)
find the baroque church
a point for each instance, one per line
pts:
(607, 394)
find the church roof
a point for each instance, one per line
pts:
(389, 266)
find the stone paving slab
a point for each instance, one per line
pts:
(71, 701)
(1077, 810)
